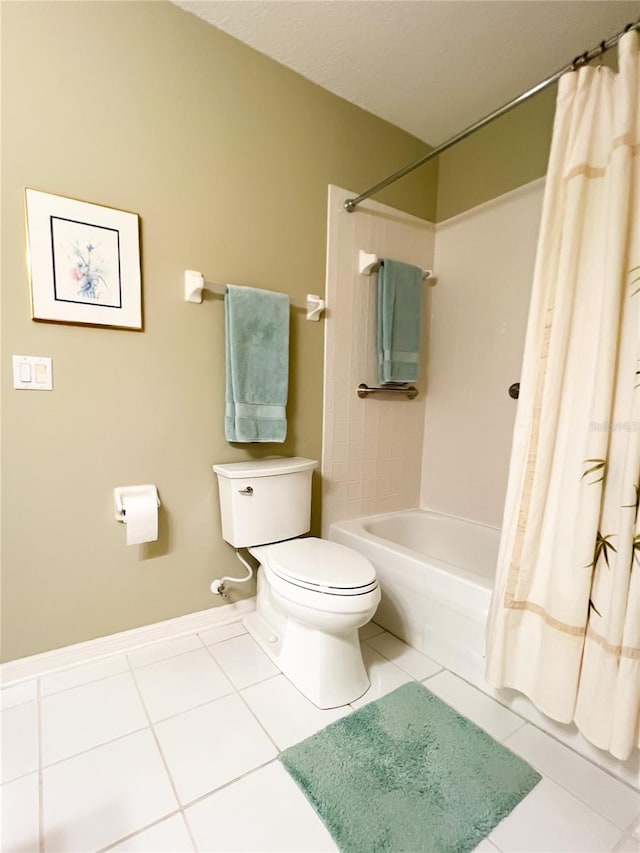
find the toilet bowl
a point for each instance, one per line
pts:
(313, 595)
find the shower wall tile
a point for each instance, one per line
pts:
(372, 449)
(479, 308)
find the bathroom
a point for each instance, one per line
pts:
(227, 157)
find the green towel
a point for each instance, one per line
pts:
(398, 321)
(257, 356)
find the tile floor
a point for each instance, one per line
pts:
(172, 747)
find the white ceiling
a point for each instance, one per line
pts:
(431, 67)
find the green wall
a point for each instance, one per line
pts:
(226, 156)
(509, 152)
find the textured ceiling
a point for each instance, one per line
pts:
(431, 67)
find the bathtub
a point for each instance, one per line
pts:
(436, 573)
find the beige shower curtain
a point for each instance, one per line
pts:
(564, 626)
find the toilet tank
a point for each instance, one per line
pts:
(264, 501)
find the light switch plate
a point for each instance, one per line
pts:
(32, 373)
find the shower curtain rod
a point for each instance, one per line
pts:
(351, 203)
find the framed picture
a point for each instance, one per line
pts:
(84, 262)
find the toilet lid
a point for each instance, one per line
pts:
(321, 565)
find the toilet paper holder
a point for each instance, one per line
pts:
(120, 493)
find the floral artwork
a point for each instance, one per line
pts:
(84, 262)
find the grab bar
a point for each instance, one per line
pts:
(364, 390)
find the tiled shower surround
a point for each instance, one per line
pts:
(372, 448)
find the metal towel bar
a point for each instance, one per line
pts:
(364, 390)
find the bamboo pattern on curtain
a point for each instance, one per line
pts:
(564, 626)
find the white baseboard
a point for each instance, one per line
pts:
(46, 662)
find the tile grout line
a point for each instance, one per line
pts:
(161, 753)
(82, 683)
(575, 753)
(89, 661)
(529, 722)
(151, 723)
(572, 793)
(197, 800)
(40, 769)
(632, 825)
(402, 669)
(91, 748)
(253, 683)
(194, 707)
(144, 828)
(246, 704)
(182, 807)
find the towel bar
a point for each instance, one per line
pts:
(364, 390)
(194, 284)
(369, 262)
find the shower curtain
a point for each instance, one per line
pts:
(564, 626)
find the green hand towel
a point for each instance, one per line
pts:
(257, 364)
(399, 295)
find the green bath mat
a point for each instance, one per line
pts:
(408, 773)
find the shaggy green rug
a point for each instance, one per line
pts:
(408, 773)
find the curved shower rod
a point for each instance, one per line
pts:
(351, 203)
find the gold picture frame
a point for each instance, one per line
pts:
(84, 262)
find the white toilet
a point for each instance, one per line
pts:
(313, 595)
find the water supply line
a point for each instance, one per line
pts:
(218, 587)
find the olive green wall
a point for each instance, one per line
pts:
(508, 153)
(511, 151)
(226, 156)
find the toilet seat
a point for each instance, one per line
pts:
(319, 566)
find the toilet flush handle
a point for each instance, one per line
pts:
(246, 491)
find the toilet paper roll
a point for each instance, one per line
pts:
(141, 518)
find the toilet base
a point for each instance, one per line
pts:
(326, 668)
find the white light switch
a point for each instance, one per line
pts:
(32, 372)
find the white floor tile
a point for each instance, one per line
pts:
(549, 820)
(418, 666)
(243, 661)
(369, 630)
(169, 836)
(163, 650)
(19, 738)
(612, 799)
(18, 694)
(83, 717)
(629, 844)
(485, 846)
(175, 685)
(285, 713)
(384, 676)
(19, 832)
(626, 771)
(75, 676)
(211, 745)
(635, 830)
(481, 709)
(281, 817)
(96, 798)
(221, 632)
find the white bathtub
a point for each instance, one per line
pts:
(436, 574)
